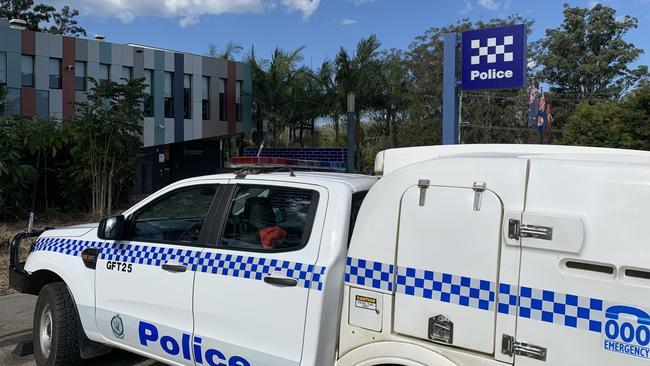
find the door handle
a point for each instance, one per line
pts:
(281, 281)
(174, 267)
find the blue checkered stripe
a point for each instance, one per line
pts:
(256, 268)
(572, 311)
(308, 276)
(361, 272)
(149, 255)
(63, 245)
(445, 287)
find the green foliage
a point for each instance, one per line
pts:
(106, 130)
(611, 124)
(587, 55)
(40, 16)
(15, 174)
(228, 52)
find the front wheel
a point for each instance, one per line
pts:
(56, 327)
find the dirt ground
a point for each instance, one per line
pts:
(7, 232)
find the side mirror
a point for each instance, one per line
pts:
(110, 228)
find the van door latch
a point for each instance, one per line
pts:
(518, 230)
(423, 184)
(510, 347)
(479, 188)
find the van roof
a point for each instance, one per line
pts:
(392, 159)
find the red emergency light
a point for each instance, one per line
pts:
(267, 162)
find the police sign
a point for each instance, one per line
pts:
(494, 58)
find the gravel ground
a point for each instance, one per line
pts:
(9, 230)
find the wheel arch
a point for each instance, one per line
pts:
(40, 278)
(393, 353)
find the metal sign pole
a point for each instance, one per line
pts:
(449, 93)
(351, 134)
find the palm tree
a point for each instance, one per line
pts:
(228, 53)
(278, 89)
(353, 74)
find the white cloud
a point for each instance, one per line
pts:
(468, 7)
(489, 4)
(347, 21)
(306, 7)
(188, 12)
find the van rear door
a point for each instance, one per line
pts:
(447, 266)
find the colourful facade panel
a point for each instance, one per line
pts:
(158, 91)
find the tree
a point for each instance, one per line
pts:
(614, 124)
(106, 130)
(587, 55)
(482, 111)
(228, 53)
(37, 15)
(65, 23)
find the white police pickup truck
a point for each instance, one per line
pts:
(460, 255)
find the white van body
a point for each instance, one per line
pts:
(460, 255)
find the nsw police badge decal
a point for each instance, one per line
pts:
(117, 326)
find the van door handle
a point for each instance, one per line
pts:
(281, 281)
(174, 267)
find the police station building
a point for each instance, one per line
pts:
(196, 107)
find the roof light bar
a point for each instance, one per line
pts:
(264, 162)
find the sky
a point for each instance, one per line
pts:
(322, 26)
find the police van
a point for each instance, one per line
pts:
(458, 255)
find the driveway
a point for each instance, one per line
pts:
(16, 313)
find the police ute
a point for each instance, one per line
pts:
(456, 255)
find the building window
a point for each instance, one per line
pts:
(222, 100)
(12, 101)
(27, 70)
(55, 73)
(238, 110)
(148, 97)
(104, 73)
(169, 101)
(205, 98)
(127, 73)
(3, 67)
(42, 103)
(187, 96)
(80, 76)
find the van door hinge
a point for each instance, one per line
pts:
(479, 188)
(510, 347)
(423, 184)
(518, 230)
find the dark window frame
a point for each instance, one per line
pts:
(221, 217)
(3, 73)
(187, 98)
(23, 74)
(168, 101)
(205, 102)
(239, 106)
(84, 78)
(55, 80)
(223, 100)
(209, 217)
(108, 73)
(148, 101)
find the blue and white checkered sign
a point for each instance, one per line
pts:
(494, 58)
(205, 261)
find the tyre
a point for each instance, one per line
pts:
(56, 327)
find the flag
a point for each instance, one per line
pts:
(549, 122)
(541, 115)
